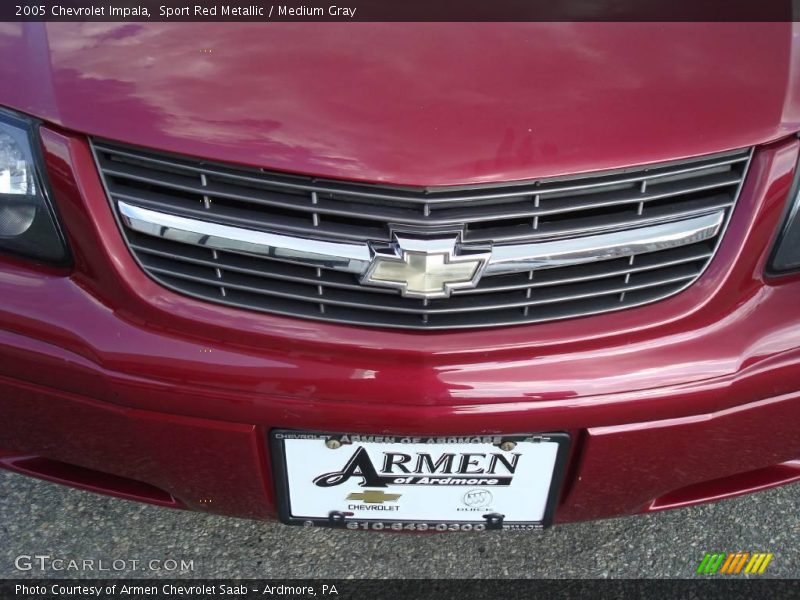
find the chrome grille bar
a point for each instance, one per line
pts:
(518, 258)
(331, 255)
(355, 258)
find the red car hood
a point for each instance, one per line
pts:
(420, 104)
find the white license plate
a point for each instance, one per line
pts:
(436, 483)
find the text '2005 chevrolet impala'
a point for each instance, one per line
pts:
(423, 277)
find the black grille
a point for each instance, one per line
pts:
(324, 209)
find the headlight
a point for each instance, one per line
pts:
(786, 254)
(27, 220)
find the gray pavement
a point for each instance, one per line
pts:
(47, 519)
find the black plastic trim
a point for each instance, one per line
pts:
(789, 218)
(32, 125)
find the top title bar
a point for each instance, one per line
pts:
(400, 10)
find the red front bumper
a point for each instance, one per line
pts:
(114, 383)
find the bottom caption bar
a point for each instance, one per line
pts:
(399, 589)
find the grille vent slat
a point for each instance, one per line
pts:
(521, 207)
(239, 283)
(555, 208)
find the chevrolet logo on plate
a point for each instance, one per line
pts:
(373, 497)
(425, 267)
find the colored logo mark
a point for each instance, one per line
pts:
(373, 497)
(732, 563)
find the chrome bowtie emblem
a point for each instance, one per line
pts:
(426, 267)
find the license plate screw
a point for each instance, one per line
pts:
(507, 446)
(333, 443)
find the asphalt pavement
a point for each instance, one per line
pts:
(40, 518)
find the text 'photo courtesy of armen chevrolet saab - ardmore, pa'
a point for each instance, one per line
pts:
(334, 297)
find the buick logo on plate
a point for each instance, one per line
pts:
(477, 498)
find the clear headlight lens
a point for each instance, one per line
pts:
(27, 220)
(16, 169)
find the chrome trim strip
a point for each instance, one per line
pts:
(580, 250)
(356, 258)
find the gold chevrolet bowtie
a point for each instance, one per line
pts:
(373, 497)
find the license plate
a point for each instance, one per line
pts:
(445, 483)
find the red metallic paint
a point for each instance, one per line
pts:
(104, 369)
(110, 382)
(420, 103)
